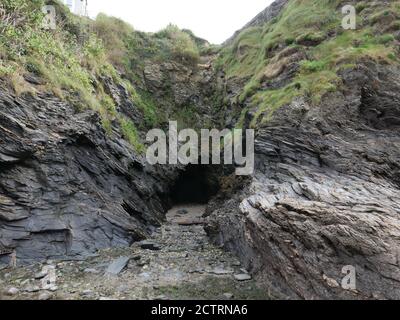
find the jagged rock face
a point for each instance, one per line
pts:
(177, 87)
(325, 194)
(66, 188)
(174, 80)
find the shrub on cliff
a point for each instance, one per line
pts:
(118, 38)
(182, 46)
(19, 13)
(70, 61)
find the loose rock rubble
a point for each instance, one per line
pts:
(186, 266)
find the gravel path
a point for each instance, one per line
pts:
(177, 262)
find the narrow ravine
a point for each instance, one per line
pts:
(177, 262)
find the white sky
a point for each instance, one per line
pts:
(214, 20)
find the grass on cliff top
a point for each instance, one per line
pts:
(128, 49)
(319, 76)
(307, 25)
(300, 19)
(180, 45)
(70, 60)
(73, 59)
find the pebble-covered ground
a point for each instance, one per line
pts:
(177, 262)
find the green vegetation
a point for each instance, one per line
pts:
(383, 15)
(73, 60)
(127, 49)
(260, 54)
(68, 59)
(131, 134)
(181, 45)
(186, 117)
(117, 37)
(311, 37)
(77, 61)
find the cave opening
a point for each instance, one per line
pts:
(196, 184)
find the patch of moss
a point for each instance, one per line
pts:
(385, 39)
(131, 134)
(313, 38)
(382, 15)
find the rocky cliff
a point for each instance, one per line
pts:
(325, 193)
(325, 106)
(67, 189)
(73, 173)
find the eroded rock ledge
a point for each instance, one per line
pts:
(67, 189)
(325, 194)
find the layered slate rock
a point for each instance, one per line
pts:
(66, 188)
(325, 194)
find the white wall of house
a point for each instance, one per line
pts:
(77, 6)
(80, 7)
(70, 4)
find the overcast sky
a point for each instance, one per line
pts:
(214, 20)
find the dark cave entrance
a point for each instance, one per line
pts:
(196, 184)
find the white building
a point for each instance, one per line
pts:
(78, 7)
